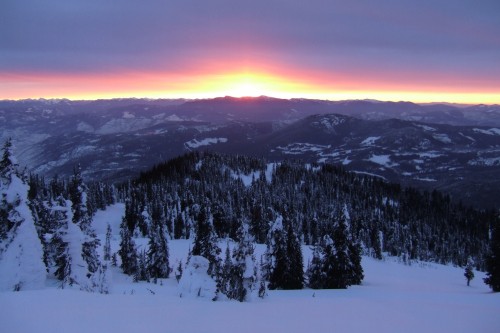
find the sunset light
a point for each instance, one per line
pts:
(433, 53)
(237, 83)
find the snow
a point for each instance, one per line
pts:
(128, 115)
(329, 123)
(384, 160)
(491, 131)
(21, 265)
(423, 297)
(426, 179)
(298, 148)
(393, 298)
(173, 117)
(370, 140)
(430, 154)
(425, 127)
(247, 179)
(84, 127)
(112, 216)
(269, 171)
(125, 124)
(369, 174)
(442, 137)
(484, 161)
(205, 142)
(195, 281)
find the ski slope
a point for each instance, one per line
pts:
(393, 298)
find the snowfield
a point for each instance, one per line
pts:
(394, 297)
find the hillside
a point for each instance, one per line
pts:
(394, 297)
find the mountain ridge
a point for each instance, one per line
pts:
(116, 139)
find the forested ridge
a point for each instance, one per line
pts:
(381, 217)
(211, 198)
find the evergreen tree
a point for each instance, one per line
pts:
(284, 265)
(178, 271)
(82, 218)
(21, 252)
(314, 270)
(376, 243)
(142, 272)
(107, 244)
(356, 274)
(157, 256)
(331, 276)
(127, 252)
(493, 260)
(276, 255)
(226, 274)
(262, 289)
(295, 266)
(469, 270)
(205, 241)
(61, 214)
(244, 269)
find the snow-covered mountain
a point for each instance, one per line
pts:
(452, 148)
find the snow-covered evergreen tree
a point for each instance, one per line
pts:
(205, 241)
(274, 264)
(225, 277)
(469, 270)
(493, 260)
(195, 281)
(314, 270)
(82, 218)
(21, 253)
(107, 244)
(242, 270)
(127, 251)
(295, 266)
(142, 273)
(157, 255)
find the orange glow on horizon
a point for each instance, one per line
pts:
(239, 83)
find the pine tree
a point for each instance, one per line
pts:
(331, 277)
(81, 218)
(142, 273)
(61, 214)
(178, 271)
(493, 260)
(225, 279)
(276, 255)
(262, 289)
(107, 244)
(205, 241)
(127, 252)
(157, 255)
(469, 270)
(295, 267)
(314, 270)
(244, 269)
(21, 252)
(356, 274)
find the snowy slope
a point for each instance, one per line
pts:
(393, 298)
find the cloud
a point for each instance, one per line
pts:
(454, 37)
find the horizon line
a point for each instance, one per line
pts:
(187, 99)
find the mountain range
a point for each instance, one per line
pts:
(452, 148)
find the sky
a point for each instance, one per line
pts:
(421, 51)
